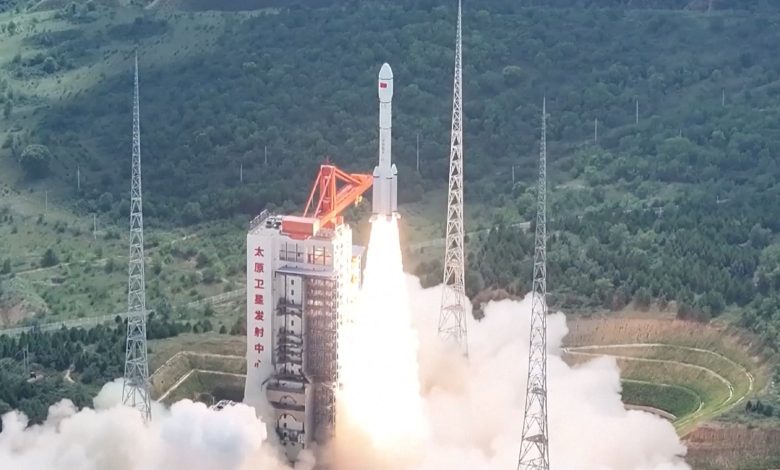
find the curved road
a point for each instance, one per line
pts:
(701, 413)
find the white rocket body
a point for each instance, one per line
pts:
(385, 191)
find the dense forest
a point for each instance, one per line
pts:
(33, 365)
(675, 203)
(205, 117)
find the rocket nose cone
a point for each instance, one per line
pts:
(385, 72)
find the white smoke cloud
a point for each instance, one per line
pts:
(473, 410)
(475, 407)
(187, 436)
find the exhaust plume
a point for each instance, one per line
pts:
(379, 402)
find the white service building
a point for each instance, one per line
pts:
(298, 289)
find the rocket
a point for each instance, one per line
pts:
(385, 192)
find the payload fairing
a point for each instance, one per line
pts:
(385, 200)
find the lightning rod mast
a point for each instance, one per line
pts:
(534, 451)
(452, 318)
(135, 391)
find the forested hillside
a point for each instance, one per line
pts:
(298, 83)
(38, 369)
(680, 206)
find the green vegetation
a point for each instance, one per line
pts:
(757, 407)
(34, 394)
(694, 371)
(35, 160)
(67, 363)
(55, 270)
(673, 399)
(208, 387)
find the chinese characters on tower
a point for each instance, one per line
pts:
(259, 325)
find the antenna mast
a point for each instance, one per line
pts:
(135, 391)
(452, 319)
(534, 451)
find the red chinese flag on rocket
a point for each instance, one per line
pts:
(382, 85)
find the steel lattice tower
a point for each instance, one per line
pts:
(452, 319)
(534, 451)
(135, 392)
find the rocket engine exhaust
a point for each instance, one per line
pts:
(385, 192)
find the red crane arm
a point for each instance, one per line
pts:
(333, 191)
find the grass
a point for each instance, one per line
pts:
(208, 387)
(215, 360)
(645, 376)
(163, 349)
(670, 364)
(636, 327)
(735, 374)
(90, 278)
(744, 464)
(674, 399)
(733, 447)
(713, 393)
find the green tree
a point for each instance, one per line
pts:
(157, 266)
(643, 297)
(49, 65)
(759, 236)
(35, 160)
(202, 260)
(49, 258)
(105, 201)
(713, 302)
(513, 75)
(210, 275)
(109, 266)
(192, 213)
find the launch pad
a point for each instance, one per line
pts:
(303, 273)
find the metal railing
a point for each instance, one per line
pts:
(259, 219)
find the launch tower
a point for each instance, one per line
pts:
(135, 391)
(452, 318)
(534, 450)
(302, 273)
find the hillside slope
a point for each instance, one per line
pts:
(679, 206)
